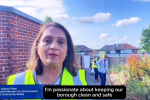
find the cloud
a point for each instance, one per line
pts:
(104, 35)
(39, 8)
(114, 38)
(138, 41)
(110, 39)
(99, 17)
(124, 38)
(125, 22)
(142, 0)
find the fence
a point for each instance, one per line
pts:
(116, 60)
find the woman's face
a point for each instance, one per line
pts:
(52, 47)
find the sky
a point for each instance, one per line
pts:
(94, 23)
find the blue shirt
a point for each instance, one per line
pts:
(56, 83)
(101, 65)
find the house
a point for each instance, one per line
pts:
(84, 54)
(119, 48)
(96, 53)
(86, 50)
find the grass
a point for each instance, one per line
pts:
(115, 69)
(135, 75)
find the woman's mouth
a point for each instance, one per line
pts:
(53, 55)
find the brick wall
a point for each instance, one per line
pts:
(16, 37)
(91, 54)
(83, 66)
(81, 57)
(97, 53)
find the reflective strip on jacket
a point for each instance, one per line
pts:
(27, 78)
(93, 65)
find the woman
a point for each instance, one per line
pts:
(103, 68)
(52, 60)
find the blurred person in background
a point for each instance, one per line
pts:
(103, 68)
(91, 60)
(95, 69)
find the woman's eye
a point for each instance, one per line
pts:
(48, 41)
(61, 42)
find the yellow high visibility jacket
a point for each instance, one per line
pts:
(93, 65)
(27, 78)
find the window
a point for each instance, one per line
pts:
(112, 51)
(128, 51)
(96, 55)
(122, 51)
(85, 53)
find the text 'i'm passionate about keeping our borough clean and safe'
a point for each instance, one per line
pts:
(77, 92)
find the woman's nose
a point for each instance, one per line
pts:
(54, 46)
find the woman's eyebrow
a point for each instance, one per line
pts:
(62, 38)
(48, 37)
(53, 37)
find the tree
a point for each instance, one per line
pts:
(77, 49)
(48, 19)
(91, 49)
(145, 40)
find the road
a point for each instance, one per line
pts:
(91, 81)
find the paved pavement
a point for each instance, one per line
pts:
(91, 78)
(91, 81)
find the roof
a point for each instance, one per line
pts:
(107, 48)
(20, 13)
(124, 46)
(117, 47)
(83, 48)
